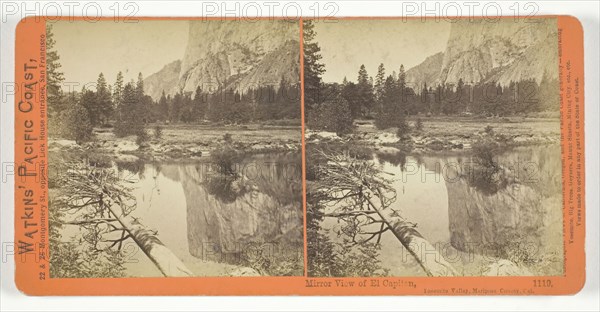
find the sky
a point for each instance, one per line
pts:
(346, 44)
(88, 48)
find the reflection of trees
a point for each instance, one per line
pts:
(225, 160)
(279, 177)
(96, 201)
(356, 193)
(487, 175)
(137, 166)
(226, 188)
(397, 159)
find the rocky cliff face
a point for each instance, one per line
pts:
(502, 51)
(426, 72)
(234, 55)
(164, 80)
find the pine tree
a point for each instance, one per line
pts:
(548, 94)
(130, 121)
(54, 77)
(103, 101)
(89, 101)
(402, 79)
(77, 122)
(461, 97)
(365, 93)
(402, 90)
(391, 111)
(117, 95)
(177, 103)
(144, 104)
(163, 108)
(363, 76)
(379, 82)
(313, 68)
(139, 87)
(350, 92)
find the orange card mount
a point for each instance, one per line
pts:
(198, 156)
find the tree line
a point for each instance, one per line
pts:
(127, 108)
(389, 99)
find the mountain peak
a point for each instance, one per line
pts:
(499, 51)
(235, 55)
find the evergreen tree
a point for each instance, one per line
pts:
(461, 97)
(117, 95)
(187, 108)
(103, 101)
(313, 68)
(139, 86)
(332, 115)
(548, 95)
(365, 93)
(363, 76)
(163, 108)
(54, 77)
(391, 112)
(402, 83)
(350, 92)
(129, 122)
(89, 101)
(379, 82)
(144, 102)
(77, 122)
(401, 77)
(176, 105)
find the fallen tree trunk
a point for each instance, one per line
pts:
(417, 245)
(164, 259)
(104, 207)
(351, 184)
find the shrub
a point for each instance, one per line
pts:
(142, 137)
(419, 124)
(228, 138)
(158, 132)
(487, 175)
(225, 159)
(77, 125)
(403, 128)
(388, 116)
(489, 130)
(332, 115)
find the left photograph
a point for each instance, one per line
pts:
(174, 148)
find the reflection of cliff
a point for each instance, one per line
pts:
(525, 216)
(490, 220)
(220, 229)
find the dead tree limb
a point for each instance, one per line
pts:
(99, 203)
(348, 185)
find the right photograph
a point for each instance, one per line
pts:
(433, 147)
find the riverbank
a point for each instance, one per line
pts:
(448, 134)
(187, 141)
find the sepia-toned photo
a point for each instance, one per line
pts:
(433, 147)
(175, 148)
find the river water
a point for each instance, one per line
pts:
(510, 226)
(218, 223)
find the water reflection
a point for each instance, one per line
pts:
(249, 217)
(498, 215)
